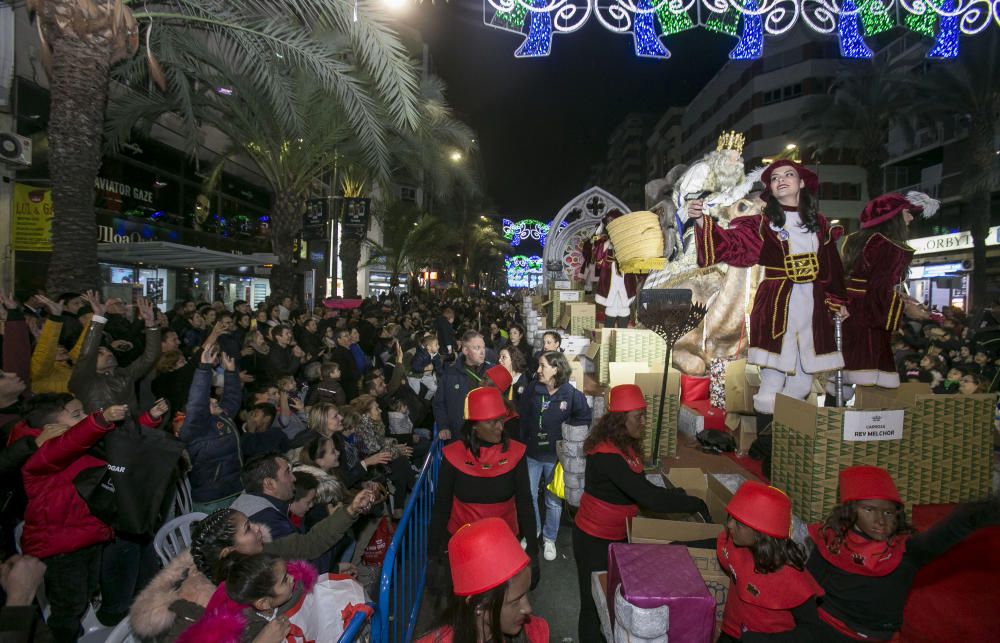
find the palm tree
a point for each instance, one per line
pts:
(866, 101)
(970, 86)
(408, 237)
(84, 41)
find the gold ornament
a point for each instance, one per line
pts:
(731, 141)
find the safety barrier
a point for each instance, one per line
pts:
(355, 628)
(405, 564)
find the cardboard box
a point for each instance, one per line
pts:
(651, 384)
(649, 530)
(696, 483)
(577, 374)
(943, 456)
(582, 318)
(744, 430)
(751, 384)
(625, 372)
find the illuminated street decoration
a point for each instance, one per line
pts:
(526, 229)
(524, 272)
(650, 22)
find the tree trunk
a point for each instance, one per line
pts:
(286, 223)
(350, 257)
(78, 81)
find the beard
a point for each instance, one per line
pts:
(727, 172)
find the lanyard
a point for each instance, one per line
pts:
(473, 375)
(545, 407)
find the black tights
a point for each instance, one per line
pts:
(591, 555)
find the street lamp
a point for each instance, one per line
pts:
(791, 146)
(455, 156)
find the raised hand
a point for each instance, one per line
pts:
(8, 301)
(159, 409)
(210, 354)
(228, 362)
(94, 299)
(54, 307)
(147, 311)
(218, 329)
(115, 413)
(50, 431)
(298, 352)
(275, 631)
(121, 345)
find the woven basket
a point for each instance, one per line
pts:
(638, 242)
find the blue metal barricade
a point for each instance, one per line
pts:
(355, 628)
(405, 564)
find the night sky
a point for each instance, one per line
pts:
(543, 122)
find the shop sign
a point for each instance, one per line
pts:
(933, 271)
(32, 229)
(314, 219)
(356, 212)
(124, 190)
(951, 242)
(107, 234)
(873, 426)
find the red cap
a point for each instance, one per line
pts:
(484, 555)
(484, 403)
(867, 483)
(624, 398)
(764, 508)
(807, 175)
(884, 208)
(501, 377)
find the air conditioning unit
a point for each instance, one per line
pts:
(15, 149)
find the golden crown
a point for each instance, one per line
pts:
(731, 141)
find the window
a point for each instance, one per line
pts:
(408, 194)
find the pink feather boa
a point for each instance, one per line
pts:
(225, 619)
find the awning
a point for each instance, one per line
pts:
(175, 255)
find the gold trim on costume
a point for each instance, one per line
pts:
(774, 316)
(802, 268)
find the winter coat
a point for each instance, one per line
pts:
(171, 602)
(449, 400)
(213, 441)
(98, 390)
(566, 406)
(330, 392)
(48, 375)
(57, 520)
(281, 361)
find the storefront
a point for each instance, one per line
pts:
(942, 266)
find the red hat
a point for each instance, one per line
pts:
(867, 483)
(484, 403)
(807, 175)
(881, 209)
(761, 507)
(483, 555)
(624, 398)
(501, 377)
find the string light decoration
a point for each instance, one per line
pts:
(852, 45)
(523, 272)
(524, 230)
(649, 22)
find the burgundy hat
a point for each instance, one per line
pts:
(883, 208)
(484, 555)
(764, 508)
(807, 175)
(867, 483)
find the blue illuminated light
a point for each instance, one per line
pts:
(852, 45)
(647, 44)
(751, 44)
(539, 40)
(946, 40)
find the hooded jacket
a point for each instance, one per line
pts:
(213, 441)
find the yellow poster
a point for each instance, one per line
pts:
(32, 218)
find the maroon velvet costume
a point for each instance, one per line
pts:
(751, 241)
(876, 307)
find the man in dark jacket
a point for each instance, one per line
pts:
(457, 380)
(444, 327)
(343, 356)
(284, 358)
(97, 380)
(211, 436)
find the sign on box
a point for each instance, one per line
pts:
(872, 426)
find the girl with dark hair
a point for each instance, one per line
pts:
(771, 597)
(491, 577)
(519, 342)
(513, 360)
(614, 488)
(484, 474)
(499, 378)
(866, 555)
(877, 259)
(177, 596)
(791, 329)
(549, 402)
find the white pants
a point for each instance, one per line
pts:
(773, 381)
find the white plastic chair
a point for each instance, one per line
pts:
(121, 634)
(175, 536)
(182, 499)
